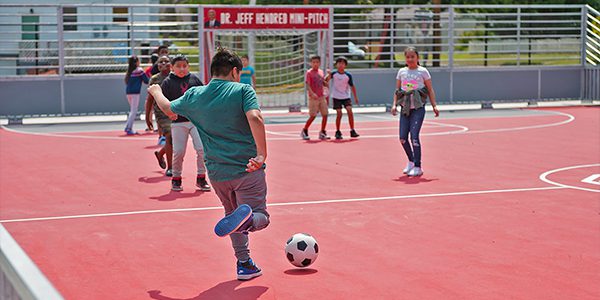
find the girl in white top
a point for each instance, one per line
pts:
(410, 81)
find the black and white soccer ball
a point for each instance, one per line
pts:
(301, 250)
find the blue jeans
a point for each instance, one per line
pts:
(412, 124)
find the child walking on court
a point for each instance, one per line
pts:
(248, 74)
(174, 86)
(315, 81)
(162, 121)
(413, 87)
(340, 92)
(232, 129)
(133, 81)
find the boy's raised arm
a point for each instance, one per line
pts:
(163, 103)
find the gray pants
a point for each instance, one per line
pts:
(252, 190)
(179, 135)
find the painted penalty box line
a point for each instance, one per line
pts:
(285, 204)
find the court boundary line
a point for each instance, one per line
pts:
(384, 198)
(551, 113)
(544, 177)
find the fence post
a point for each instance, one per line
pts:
(61, 56)
(518, 36)
(201, 47)
(451, 37)
(451, 50)
(583, 48)
(131, 39)
(584, 12)
(392, 31)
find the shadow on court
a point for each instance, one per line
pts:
(172, 195)
(414, 180)
(223, 290)
(296, 272)
(157, 179)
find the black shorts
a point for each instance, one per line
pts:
(338, 103)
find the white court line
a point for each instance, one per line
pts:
(570, 119)
(464, 130)
(544, 178)
(140, 212)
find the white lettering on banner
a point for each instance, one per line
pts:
(225, 18)
(296, 18)
(244, 18)
(271, 18)
(317, 18)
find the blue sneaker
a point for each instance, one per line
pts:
(234, 221)
(247, 270)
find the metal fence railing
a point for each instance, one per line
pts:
(20, 278)
(67, 48)
(92, 39)
(461, 35)
(591, 49)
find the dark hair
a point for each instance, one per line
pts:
(154, 58)
(245, 56)
(315, 57)
(412, 49)
(179, 57)
(224, 61)
(161, 47)
(132, 61)
(341, 58)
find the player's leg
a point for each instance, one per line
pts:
(324, 112)
(404, 129)
(168, 147)
(179, 135)
(348, 106)
(252, 190)
(417, 117)
(236, 217)
(337, 105)
(201, 182)
(312, 114)
(134, 101)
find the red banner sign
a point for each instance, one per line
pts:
(266, 18)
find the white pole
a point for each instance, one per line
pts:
(251, 42)
(201, 46)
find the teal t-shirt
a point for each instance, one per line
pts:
(218, 110)
(246, 75)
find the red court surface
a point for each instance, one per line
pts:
(508, 208)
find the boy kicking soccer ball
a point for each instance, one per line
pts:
(232, 130)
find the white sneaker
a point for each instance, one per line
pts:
(416, 171)
(409, 167)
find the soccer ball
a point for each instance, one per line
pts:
(302, 250)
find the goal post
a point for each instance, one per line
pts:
(278, 41)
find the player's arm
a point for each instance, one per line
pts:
(354, 93)
(149, 104)
(311, 93)
(395, 103)
(163, 103)
(257, 126)
(253, 81)
(432, 97)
